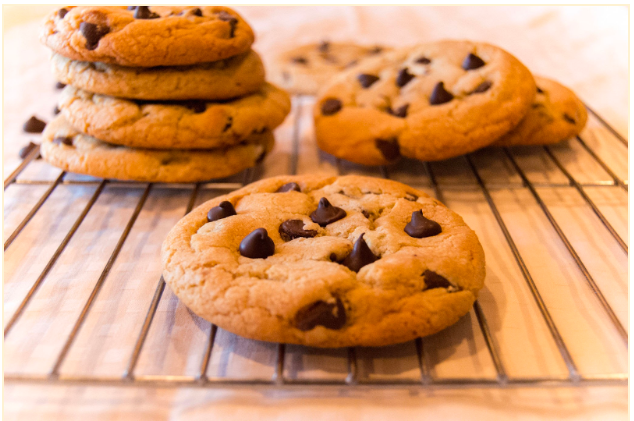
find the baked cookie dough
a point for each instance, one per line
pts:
(174, 125)
(325, 262)
(555, 115)
(223, 79)
(307, 68)
(429, 102)
(142, 36)
(66, 148)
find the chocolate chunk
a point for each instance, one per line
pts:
(228, 124)
(27, 150)
(421, 227)
(423, 60)
(63, 140)
(539, 91)
(367, 80)
(321, 313)
(331, 106)
(60, 85)
(34, 125)
(569, 119)
(223, 210)
(403, 77)
(324, 46)
(326, 213)
(400, 112)
(289, 187)
(144, 12)
(233, 21)
(62, 12)
(257, 245)
(92, 33)
(197, 12)
(294, 228)
(483, 87)
(360, 256)
(434, 280)
(440, 95)
(299, 60)
(472, 62)
(56, 110)
(389, 148)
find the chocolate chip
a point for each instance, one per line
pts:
(434, 280)
(423, 60)
(366, 213)
(324, 46)
(223, 210)
(299, 60)
(331, 106)
(62, 12)
(228, 124)
(294, 228)
(289, 187)
(411, 197)
(367, 80)
(483, 87)
(539, 91)
(56, 110)
(389, 148)
(326, 213)
(27, 150)
(60, 85)
(233, 21)
(569, 119)
(360, 256)
(34, 125)
(197, 12)
(257, 245)
(472, 62)
(321, 313)
(92, 33)
(143, 12)
(400, 112)
(421, 227)
(63, 140)
(403, 77)
(440, 95)
(333, 257)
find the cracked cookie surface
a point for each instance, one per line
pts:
(141, 36)
(224, 79)
(556, 114)
(174, 125)
(66, 148)
(430, 102)
(341, 273)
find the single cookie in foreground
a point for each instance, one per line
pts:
(325, 261)
(429, 102)
(556, 114)
(66, 148)
(142, 36)
(224, 79)
(305, 69)
(173, 124)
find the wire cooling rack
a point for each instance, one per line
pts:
(55, 335)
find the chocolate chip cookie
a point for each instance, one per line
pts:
(305, 69)
(325, 261)
(223, 79)
(555, 115)
(429, 102)
(142, 36)
(66, 148)
(174, 124)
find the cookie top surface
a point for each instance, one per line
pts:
(356, 272)
(305, 69)
(141, 36)
(179, 125)
(556, 114)
(66, 148)
(217, 80)
(430, 102)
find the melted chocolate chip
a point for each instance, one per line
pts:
(197, 12)
(331, 106)
(360, 256)
(321, 313)
(27, 150)
(389, 148)
(233, 21)
(92, 33)
(367, 80)
(483, 87)
(434, 280)
(294, 228)
(223, 210)
(326, 213)
(63, 140)
(299, 60)
(400, 112)
(403, 77)
(440, 95)
(421, 227)
(289, 187)
(539, 91)
(62, 12)
(56, 110)
(34, 125)
(257, 245)
(472, 62)
(144, 12)
(423, 60)
(569, 119)
(324, 46)
(60, 85)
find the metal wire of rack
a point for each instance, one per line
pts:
(279, 380)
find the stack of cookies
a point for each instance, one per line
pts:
(161, 94)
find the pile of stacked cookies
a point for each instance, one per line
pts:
(162, 94)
